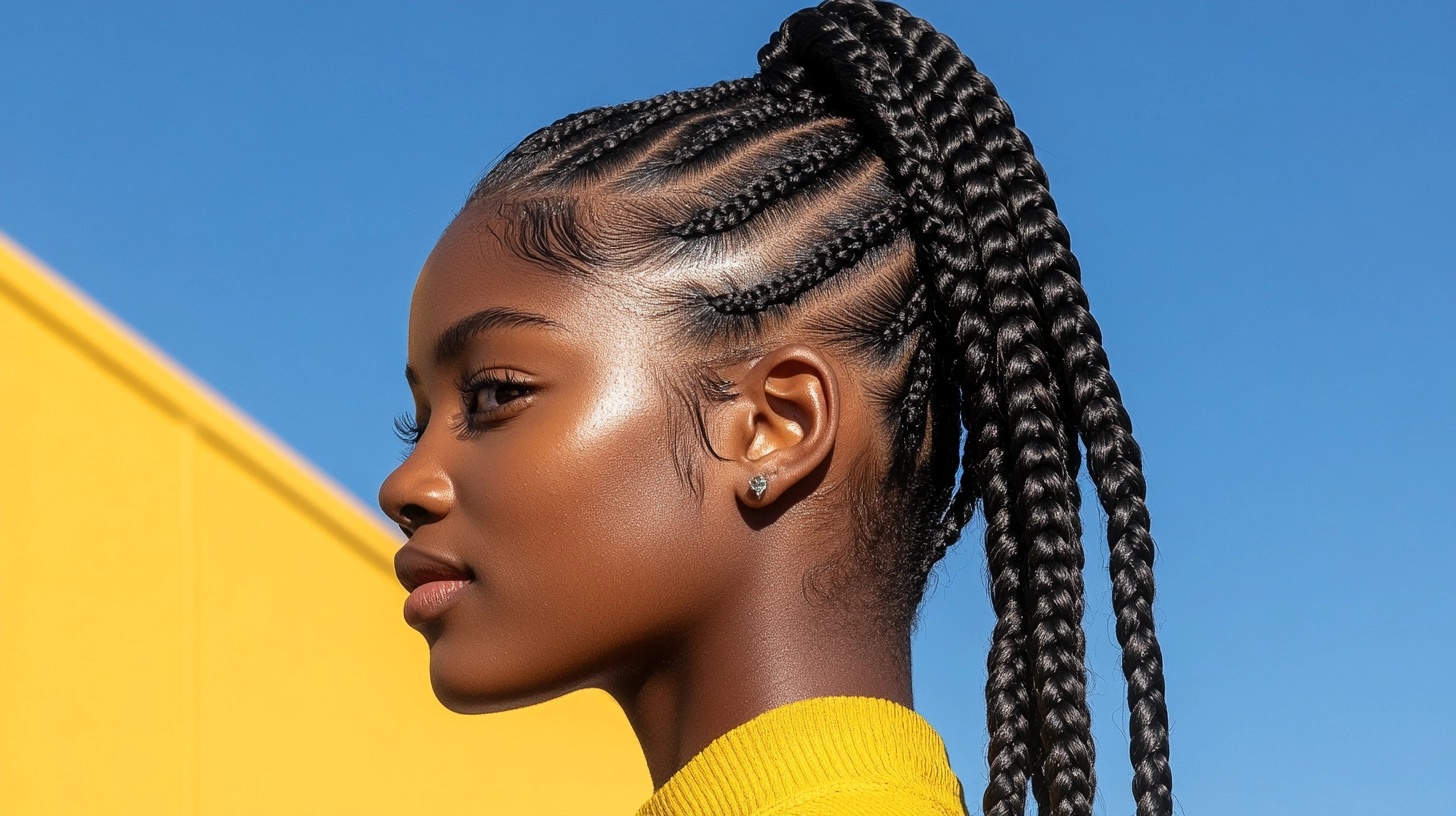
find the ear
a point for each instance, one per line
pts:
(783, 424)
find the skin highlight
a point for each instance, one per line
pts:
(593, 562)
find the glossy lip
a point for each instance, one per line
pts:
(434, 582)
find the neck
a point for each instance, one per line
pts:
(749, 660)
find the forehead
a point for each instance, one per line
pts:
(471, 269)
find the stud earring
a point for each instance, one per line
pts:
(757, 485)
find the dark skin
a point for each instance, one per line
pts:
(592, 562)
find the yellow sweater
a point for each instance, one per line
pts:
(825, 756)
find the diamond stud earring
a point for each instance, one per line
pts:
(758, 484)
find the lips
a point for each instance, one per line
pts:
(434, 583)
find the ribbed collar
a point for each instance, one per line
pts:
(810, 745)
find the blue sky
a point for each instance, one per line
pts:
(1261, 195)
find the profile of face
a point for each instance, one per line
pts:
(554, 542)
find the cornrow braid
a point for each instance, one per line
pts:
(738, 122)
(915, 403)
(885, 322)
(558, 132)
(823, 153)
(681, 103)
(906, 319)
(844, 251)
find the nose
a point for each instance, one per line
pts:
(415, 494)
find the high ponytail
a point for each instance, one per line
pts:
(1054, 386)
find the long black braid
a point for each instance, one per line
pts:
(925, 243)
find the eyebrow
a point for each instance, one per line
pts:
(453, 340)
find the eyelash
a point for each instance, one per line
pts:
(409, 431)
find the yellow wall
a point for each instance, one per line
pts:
(192, 621)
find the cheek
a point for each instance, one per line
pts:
(589, 544)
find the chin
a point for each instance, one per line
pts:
(453, 700)
(474, 691)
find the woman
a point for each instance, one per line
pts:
(691, 375)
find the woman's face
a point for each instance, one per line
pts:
(554, 541)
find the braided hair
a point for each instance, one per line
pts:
(870, 188)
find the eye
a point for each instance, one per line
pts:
(487, 395)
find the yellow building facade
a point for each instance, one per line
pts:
(155, 658)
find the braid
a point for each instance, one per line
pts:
(839, 254)
(1010, 715)
(1091, 396)
(678, 104)
(1115, 463)
(823, 153)
(906, 319)
(559, 131)
(1041, 483)
(915, 402)
(735, 123)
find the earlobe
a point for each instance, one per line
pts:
(788, 425)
